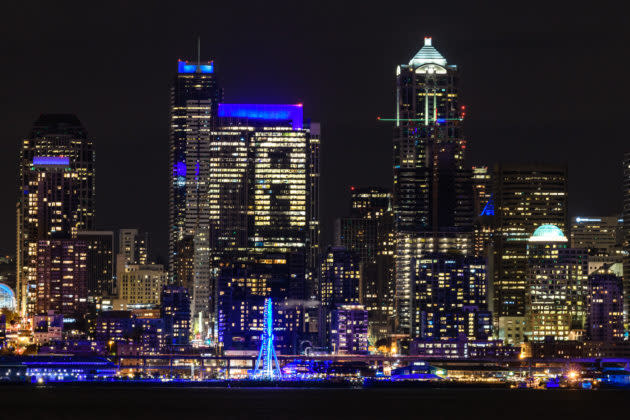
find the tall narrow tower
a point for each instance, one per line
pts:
(56, 196)
(195, 96)
(431, 187)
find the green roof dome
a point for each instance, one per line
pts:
(548, 233)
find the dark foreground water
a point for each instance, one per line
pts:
(123, 402)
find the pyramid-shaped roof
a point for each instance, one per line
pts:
(427, 54)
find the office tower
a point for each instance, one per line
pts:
(141, 285)
(263, 185)
(349, 330)
(411, 247)
(556, 286)
(242, 289)
(56, 193)
(369, 233)
(600, 236)
(195, 95)
(62, 274)
(432, 189)
(175, 311)
(605, 307)
(525, 197)
(450, 298)
(482, 188)
(100, 263)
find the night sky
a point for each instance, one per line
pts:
(546, 83)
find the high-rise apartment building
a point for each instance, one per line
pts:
(62, 275)
(450, 298)
(625, 215)
(409, 248)
(432, 189)
(525, 197)
(56, 193)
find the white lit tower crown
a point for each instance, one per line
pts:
(428, 153)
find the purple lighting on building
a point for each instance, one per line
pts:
(51, 160)
(272, 112)
(179, 169)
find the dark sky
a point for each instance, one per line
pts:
(540, 82)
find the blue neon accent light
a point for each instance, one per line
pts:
(179, 169)
(51, 160)
(184, 67)
(272, 112)
(488, 210)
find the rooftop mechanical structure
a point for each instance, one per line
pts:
(267, 366)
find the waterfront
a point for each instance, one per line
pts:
(98, 402)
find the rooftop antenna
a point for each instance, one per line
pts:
(198, 54)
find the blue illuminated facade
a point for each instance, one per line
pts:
(270, 112)
(51, 160)
(488, 210)
(183, 67)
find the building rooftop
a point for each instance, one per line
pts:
(548, 233)
(427, 54)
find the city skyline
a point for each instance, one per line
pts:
(117, 117)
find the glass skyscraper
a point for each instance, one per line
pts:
(56, 197)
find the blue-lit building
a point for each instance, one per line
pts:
(56, 193)
(195, 95)
(450, 298)
(175, 311)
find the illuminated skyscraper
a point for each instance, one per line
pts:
(432, 189)
(195, 96)
(56, 193)
(369, 233)
(526, 196)
(557, 286)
